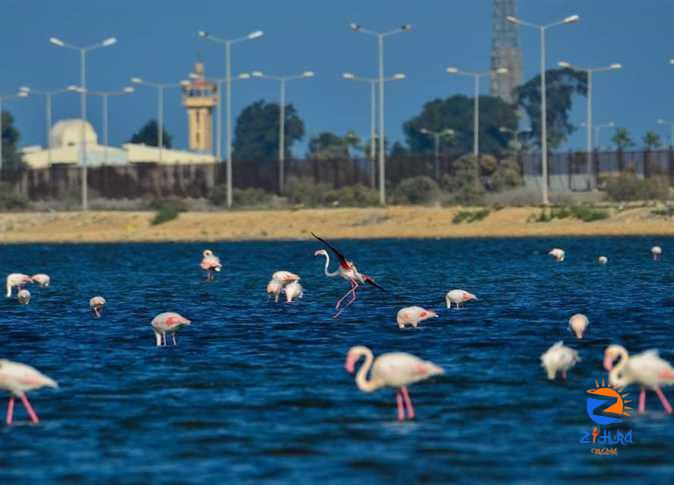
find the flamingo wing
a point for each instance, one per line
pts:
(370, 281)
(342, 259)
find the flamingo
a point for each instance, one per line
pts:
(656, 251)
(458, 297)
(293, 291)
(23, 296)
(18, 379)
(577, 324)
(210, 263)
(167, 322)
(647, 369)
(559, 358)
(346, 270)
(18, 280)
(96, 304)
(559, 254)
(285, 277)
(395, 369)
(275, 288)
(602, 260)
(41, 279)
(413, 315)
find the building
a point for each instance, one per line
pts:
(505, 51)
(199, 98)
(65, 138)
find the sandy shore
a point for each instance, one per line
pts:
(394, 222)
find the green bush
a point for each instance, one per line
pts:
(470, 216)
(628, 187)
(464, 185)
(304, 191)
(10, 199)
(417, 190)
(507, 175)
(353, 196)
(218, 195)
(250, 197)
(582, 213)
(167, 210)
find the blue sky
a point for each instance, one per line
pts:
(157, 41)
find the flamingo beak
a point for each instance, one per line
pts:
(318, 253)
(608, 362)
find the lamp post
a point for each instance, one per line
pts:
(380, 44)
(589, 71)
(516, 135)
(476, 102)
(83, 103)
(597, 132)
(282, 117)
(48, 95)
(373, 117)
(104, 99)
(436, 145)
(671, 125)
(160, 107)
(21, 94)
(544, 123)
(228, 79)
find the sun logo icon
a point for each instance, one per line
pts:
(606, 404)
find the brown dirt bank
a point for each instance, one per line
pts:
(393, 222)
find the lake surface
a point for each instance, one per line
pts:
(257, 391)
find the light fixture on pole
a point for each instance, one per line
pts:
(544, 124)
(589, 71)
(282, 117)
(671, 125)
(436, 145)
(476, 101)
(228, 105)
(373, 117)
(104, 100)
(22, 93)
(83, 103)
(380, 44)
(597, 131)
(160, 107)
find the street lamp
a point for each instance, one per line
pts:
(544, 124)
(48, 95)
(104, 99)
(671, 124)
(476, 102)
(228, 80)
(589, 71)
(436, 141)
(516, 135)
(22, 93)
(373, 118)
(282, 117)
(380, 43)
(160, 107)
(83, 103)
(597, 131)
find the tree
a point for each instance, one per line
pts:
(621, 139)
(147, 135)
(456, 112)
(651, 140)
(257, 131)
(328, 146)
(561, 86)
(11, 157)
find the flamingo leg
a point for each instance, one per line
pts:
(664, 401)
(339, 302)
(408, 402)
(174, 339)
(399, 402)
(564, 374)
(642, 401)
(163, 337)
(10, 410)
(29, 408)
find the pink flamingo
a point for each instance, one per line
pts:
(395, 369)
(346, 270)
(413, 315)
(18, 379)
(210, 263)
(167, 322)
(23, 296)
(646, 369)
(293, 291)
(16, 280)
(656, 251)
(578, 324)
(274, 288)
(458, 297)
(41, 279)
(96, 304)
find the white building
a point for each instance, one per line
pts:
(65, 139)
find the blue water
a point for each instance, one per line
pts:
(256, 391)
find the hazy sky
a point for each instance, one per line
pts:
(157, 41)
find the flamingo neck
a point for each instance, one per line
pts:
(9, 289)
(362, 381)
(327, 263)
(617, 369)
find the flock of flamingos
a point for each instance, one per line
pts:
(396, 370)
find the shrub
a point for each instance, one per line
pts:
(507, 175)
(250, 197)
(303, 190)
(10, 199)
(627, 187)
(464, 186)
(218, 195)
(167, 210)
(353, 196)
(583, 213)
(470, 216)
(417, 190)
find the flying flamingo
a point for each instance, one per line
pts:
(293, 291)
(210, 263)
(18, 379)
(18, 280)
(458, 297)
(578, 324)
(346, 270)
(23, 296)
(167, 322)
(41, 279)
(395, 369)
(559, 254)
(413, 315)
(646, 369)
(559, 358)
(602, 260)
(656, 251)
(96, 304)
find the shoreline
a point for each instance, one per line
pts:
(402, 222)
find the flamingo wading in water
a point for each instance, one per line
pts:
(167, 322)
(293, 291)
(41, 279)
(458, 297)
(210, 263)
(23, 296)
(413, 315)
(16, 280)
(558, 254)
(346, 270)
(559, 358)
(656, 251)
(96, 304)
(395, 369)
(18, 379)
(578, 324)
